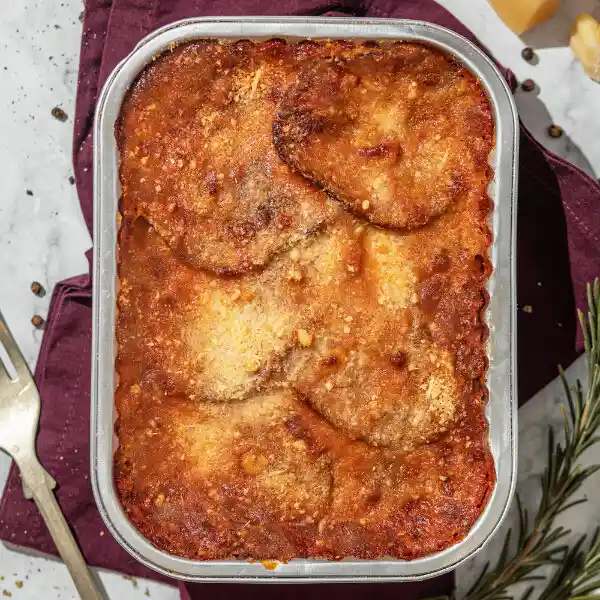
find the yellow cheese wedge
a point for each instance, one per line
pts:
(585, 43)
(521, 15)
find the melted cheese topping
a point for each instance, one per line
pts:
(295, 381)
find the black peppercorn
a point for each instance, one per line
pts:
(37, 321)
(528, 54)
(555, 131)
(59, 114)
(38, 289)
(528, 85)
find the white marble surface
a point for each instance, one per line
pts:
(43, 237)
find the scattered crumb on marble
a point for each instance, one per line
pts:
(29, 192)
(133, 580)
(72, 180)
(7, 593)
(19, 584)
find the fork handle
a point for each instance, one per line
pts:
(38, 483)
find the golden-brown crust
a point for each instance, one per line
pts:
(413, 127)
(328, 402)
(220, 339)
(197, 158)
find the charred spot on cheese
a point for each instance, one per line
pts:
(398, 359)
(440, 262)
(398, 117)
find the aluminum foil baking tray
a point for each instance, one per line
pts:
(500, 315)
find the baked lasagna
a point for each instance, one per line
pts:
(302, 260)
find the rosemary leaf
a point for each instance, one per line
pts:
(575, 569)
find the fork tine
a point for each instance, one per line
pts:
(7, 340)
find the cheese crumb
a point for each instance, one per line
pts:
(295, 274)
(304, 338)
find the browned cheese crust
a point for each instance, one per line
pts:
(197, 156)
(396, 135)
(321, 395)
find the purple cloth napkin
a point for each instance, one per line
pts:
(558, 251)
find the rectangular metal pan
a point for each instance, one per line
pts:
(500, 315)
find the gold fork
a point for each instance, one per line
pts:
(19, 415)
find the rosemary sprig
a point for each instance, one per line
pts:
(576, 571)
(578, 576)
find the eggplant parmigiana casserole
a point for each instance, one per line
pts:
(303, 253)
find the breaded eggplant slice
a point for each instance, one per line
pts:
(396, 135)
(215, 338)
(200, 165)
